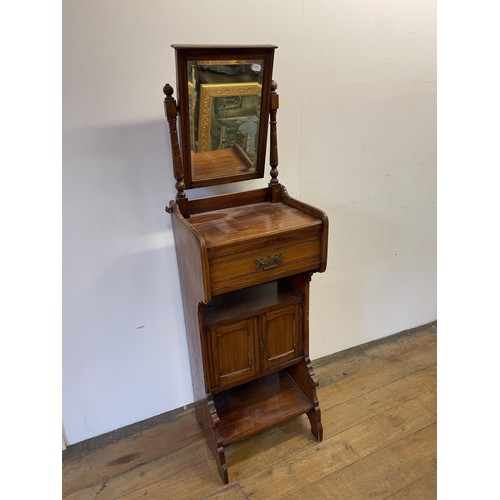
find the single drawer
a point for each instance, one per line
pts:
(268, 262)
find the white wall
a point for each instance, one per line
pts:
(356, 138)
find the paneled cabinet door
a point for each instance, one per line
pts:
(233, 352)
(281, 336)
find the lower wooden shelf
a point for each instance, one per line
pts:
(257, 405)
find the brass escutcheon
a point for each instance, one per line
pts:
(269, 262)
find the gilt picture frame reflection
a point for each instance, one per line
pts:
(229, 117)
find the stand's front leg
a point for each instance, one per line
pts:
(303, 375)
(314, 417)
(211, 427)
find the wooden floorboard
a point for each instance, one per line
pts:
(378, 404)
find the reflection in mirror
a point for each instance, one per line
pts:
(224, 116)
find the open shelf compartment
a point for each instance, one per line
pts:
(257, 405)
(250, 301)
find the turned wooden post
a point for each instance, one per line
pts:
(273, 156)
(171, 114)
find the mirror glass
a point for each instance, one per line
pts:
(224, 116)
(224, 97)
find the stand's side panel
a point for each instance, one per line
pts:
(192, 262)
(302, 372)
(300, 282)
(315, 212)
(303, 375)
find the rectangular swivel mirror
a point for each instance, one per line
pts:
(223, 99)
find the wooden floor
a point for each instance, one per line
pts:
(378, 404)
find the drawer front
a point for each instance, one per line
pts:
(269, 262)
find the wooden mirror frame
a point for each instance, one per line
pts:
(186, 53)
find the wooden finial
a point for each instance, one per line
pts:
(168, 90)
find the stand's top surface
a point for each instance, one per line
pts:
(236, 224)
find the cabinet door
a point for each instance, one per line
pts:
(233, 349)
(281, 336)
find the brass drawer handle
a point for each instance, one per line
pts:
(268, 262)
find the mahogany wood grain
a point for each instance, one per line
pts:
(224, 49)
(252, 332)
(368, 407)
(258, 221)
(171, 114)
(185, 53)
(248, 302)
(245, 263)
(238, 270)
(260, 404)
(192, 261)
(273, 153)
(192, 257)
(212, 427)
(300, 282)
(304, 377)
(233, 356)
(259, 332)
(315, 212)
(281, 336)
(223, 201)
